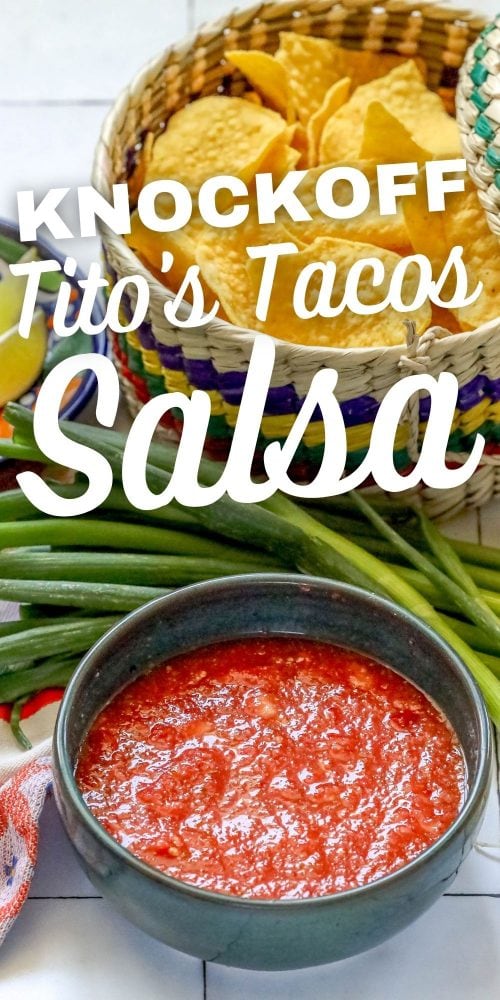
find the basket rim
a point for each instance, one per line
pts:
(101, 167)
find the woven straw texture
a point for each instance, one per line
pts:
(161, 357)
(478, 116)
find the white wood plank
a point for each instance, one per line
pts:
(80, 949)
(451, 953)
(464, 526)
(57, 872)
(84, 51)
(481, 871)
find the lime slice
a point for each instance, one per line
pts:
(21, 360)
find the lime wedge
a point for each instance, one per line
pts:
(21, 360)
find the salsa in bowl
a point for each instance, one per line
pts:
(271, 771)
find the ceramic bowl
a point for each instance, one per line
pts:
(270, 934)
(83, 387)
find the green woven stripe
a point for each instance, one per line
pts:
(455, 441)
(459, 441)
(218, 428)
(315, 454)
(478, 74)
(493, 157)
(484, 128)
(135, 361)
(155, 384)
(477, 98)
(481, 50)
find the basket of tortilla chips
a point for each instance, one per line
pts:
(307, 86)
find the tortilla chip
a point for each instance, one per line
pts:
(387, 231)
(313, 65)
(181, 244)
(445, 319)
(425, 228)
(334, 98)
(253, 97)
(363, 66)
(281, 159)
(311, 70)
(222, 257)
(386, 140)
(464, 223)
(299, 141)
(406, 97)
(348, 329)
(215, 135)
(267, 76)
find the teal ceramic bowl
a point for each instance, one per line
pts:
(270, 934)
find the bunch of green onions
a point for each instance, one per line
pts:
(68, 574)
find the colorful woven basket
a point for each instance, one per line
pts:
(161, 357)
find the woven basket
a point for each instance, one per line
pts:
(159, 357)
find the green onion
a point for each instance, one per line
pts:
(24, 452)
(278, 526)
(465, 601)
(14, 506)
(400, 591)
(52, 672)
(114, 567)
(75, 636)
(91, 596)
(472, 635)
(436, 597)
(255, 526)
(93, 534)
(21, 625)
(15, 724)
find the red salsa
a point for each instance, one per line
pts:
(273, 768)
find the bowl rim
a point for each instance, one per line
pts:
(99, 340)
(66, 779)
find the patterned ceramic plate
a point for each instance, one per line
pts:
(83, 387)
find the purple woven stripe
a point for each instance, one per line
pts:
(146, 337)
(231, 380)
(283, 399)
(354, 411)
(171, 357)
(494, 390)
(473, 392)
(362, 410)
(470, 395)
(201, 374)
(231, 386)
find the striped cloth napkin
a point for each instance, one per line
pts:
(25, 779)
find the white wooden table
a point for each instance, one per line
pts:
(60, 66)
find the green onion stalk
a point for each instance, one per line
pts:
(277, 526)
